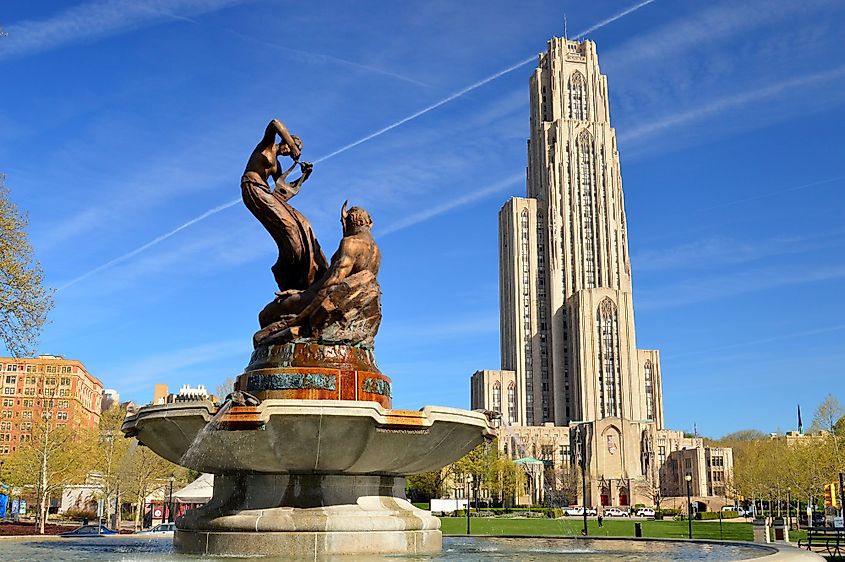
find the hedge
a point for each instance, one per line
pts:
(710, 515)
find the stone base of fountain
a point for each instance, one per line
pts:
(307, 515)
(308, 477)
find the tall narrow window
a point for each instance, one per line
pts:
(577, 96)
(649, 390)
(586, 184)
(525, 252)
(497, 397)
(607, 328)
(511, 403)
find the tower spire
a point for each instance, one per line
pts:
(565, 34)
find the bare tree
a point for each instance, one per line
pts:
(562, 484)
(828, 414)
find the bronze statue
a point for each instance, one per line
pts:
(316, 303)
(301, 261)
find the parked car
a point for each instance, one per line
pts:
(616, 512)
(645, 512)
(739, 510)
(577, 510)
(89, 531)
(161, 530)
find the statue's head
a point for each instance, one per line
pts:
(354, 219)
(283, 148)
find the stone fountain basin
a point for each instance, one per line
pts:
(308, 437)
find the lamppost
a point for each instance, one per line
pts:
(170, 500)
(688, 478)
(581, 458)
(469, 489)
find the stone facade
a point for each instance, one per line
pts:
(568, 340)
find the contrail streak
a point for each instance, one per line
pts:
(613, 18)
(349, 146)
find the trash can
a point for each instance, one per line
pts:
(638, 529)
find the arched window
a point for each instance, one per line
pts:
(497, 397)
(648, 378)
(607, 328)
(577, 96)
(511, 403)
(586, 184)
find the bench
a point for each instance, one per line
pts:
(825, 539)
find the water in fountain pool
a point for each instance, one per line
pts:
(464, 549)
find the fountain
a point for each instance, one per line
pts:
(308, 456)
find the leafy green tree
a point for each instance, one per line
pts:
(429, 485)
(143, 473)
(24, 301)
(54, 456)
(111, 452)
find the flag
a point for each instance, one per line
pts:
(800, 423)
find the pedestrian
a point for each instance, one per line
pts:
(601, 520)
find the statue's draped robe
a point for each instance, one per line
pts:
(301, 260)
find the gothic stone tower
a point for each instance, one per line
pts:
(567, 315)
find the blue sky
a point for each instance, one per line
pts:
(122, 121)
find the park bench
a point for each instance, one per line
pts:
(825, 539)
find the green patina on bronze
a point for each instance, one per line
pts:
(292, 381)
(376, 386)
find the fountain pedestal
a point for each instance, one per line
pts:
(308, 477)
(305, 515)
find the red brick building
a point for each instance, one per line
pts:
(29, 387)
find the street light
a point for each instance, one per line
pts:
(688, 478)
(469, 489)
(170, 500)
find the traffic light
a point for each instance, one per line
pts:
(830, 494)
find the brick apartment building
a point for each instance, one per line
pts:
(29, 387)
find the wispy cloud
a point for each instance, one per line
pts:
(320, 58)
(436, 210)
(703, 289)
(162, 366)
(751, 343)
(775, 193)
(369, 137)
(96, 20)
(720, 105)
(719, 251)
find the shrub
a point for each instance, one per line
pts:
(80, 514)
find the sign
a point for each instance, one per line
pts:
(157, 513)
(22, 507)
(838, 521)
(100, 507)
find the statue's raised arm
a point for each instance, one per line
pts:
(301, 261)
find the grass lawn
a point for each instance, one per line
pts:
(571, 526)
